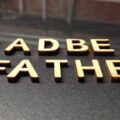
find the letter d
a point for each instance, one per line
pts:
(48, 46)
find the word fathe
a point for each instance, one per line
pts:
(51, 47)
(26, 68)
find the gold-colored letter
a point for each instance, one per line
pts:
(23, 68)
(95, 68)
(102, 47)
(48, 46)
(3, 65)
(113, 67)
(76, 46)
(57, 68)
(18, 44)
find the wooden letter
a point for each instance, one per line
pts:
(95, 68)
(57, 68)
(101, 47)
(48, 46)
(113, 67)
(18, 44)
(3, 65)
(23, 68)
(76, 47)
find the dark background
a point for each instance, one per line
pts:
(48, 100)
(69, 100)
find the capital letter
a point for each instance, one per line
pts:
(95, 68)
(18, 44)
(76, 46)
(102, 47)
(113, 67)
(57, 67)
(23, 68)
(3, 65)
(47, 46)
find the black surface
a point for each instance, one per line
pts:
(48, 100)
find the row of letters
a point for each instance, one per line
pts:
(25, 67)
(73, 47)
